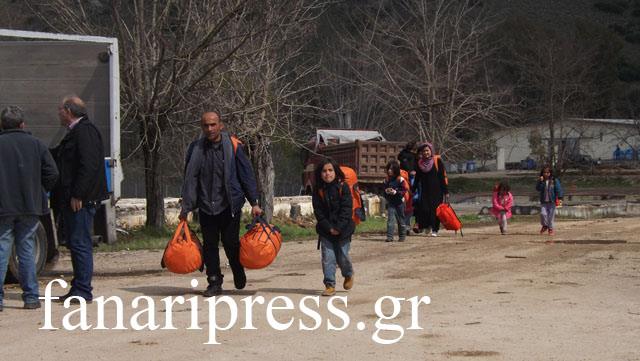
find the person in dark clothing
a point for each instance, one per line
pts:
(407, 158)
(332, 206)
(396, 190)
(431, 184)
(80, 190)
(218, 178)
(27, 170)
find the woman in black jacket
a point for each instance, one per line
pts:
(431, 186)
(332, 206)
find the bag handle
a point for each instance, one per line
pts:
(181, 225)
(265, 227)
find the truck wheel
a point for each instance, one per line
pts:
(40, 256)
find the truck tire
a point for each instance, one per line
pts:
(40, 256)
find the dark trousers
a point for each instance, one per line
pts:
(77, 234)
(221, 226)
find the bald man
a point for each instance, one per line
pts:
(218, 178)
(80, 190)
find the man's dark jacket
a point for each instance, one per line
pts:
(240, 182)
(27, 170)
(80, 159)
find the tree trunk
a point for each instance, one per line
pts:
(265, 175)
(153, 186)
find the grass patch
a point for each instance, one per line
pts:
(140, 238)
(458, 185)
(150, 239)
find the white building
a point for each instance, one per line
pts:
(597, 138)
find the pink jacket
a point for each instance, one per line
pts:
(503, 204)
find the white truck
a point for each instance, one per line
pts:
(36, 71)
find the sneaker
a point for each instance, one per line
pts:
(31, 305)
(401, 239)
(389, 240)
(551, 232)
(212, 290)
(329, 291)
(543, 229)
(348, 283)
(1, 307)
(434, 234)
(417, 230)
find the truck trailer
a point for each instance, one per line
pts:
(37, 70)
(365, 151)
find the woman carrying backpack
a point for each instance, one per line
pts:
(332, 206)
(431, 184)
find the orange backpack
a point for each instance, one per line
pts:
(449, 218)
(260, 245)
(183, 253)
(407, 195)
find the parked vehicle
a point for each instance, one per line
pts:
(36, 71)
(365, 151)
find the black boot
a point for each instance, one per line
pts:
(240, 279)
(214, 288)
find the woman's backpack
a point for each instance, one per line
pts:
(183, 253)
(260, 245)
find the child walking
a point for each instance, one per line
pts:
(395, 192)
(332, 206)
(501, 205)
(551, 194)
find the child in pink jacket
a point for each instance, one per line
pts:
(502, 203)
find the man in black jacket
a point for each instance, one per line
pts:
(81, 188)
(218, 178)
(26, 171)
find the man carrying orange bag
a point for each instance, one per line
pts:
(218, 178)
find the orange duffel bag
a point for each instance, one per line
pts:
(260, 245)
(449, 218)
(183, 253)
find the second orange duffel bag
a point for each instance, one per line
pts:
(260, 245)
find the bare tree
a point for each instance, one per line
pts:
(265, 86)
(169, 51)
(429, 57)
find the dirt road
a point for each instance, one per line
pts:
(514, 297)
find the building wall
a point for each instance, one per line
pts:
(599, 140)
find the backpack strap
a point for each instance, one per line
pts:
(321, 191)
(235, 141)
(436, 159)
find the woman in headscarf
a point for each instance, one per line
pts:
(431, 186)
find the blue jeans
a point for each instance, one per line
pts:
(335, 253)
(21, 230)
(395, 215)
(547, 214)
(77, 232)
